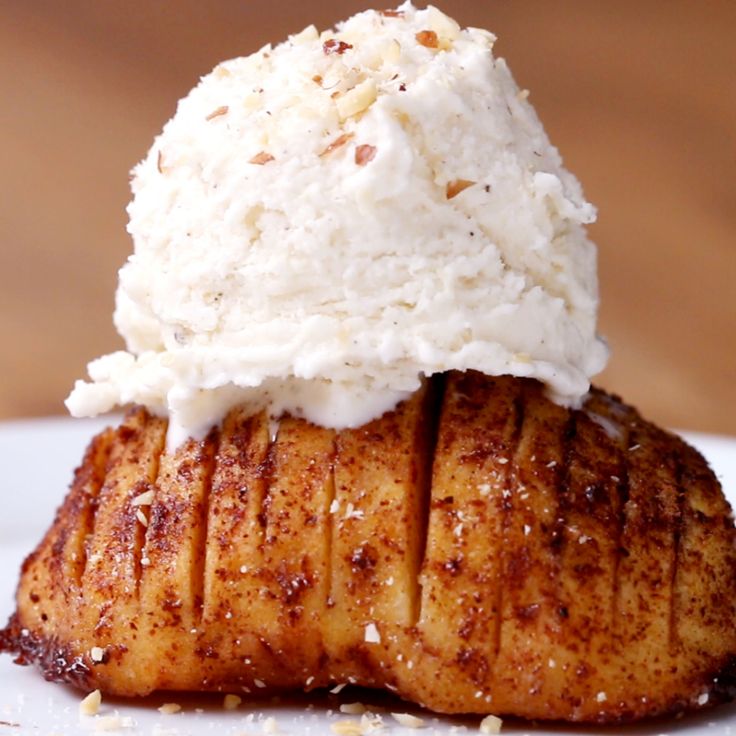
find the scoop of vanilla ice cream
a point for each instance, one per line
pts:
(324, 222)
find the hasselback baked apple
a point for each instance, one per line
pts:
(363, 296)
(478, 550)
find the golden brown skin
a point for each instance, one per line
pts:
(514, 557)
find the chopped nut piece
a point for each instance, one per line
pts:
(370, 722)
(491, 724)
(231, 702)
(364, 153)
(333, 46)
(335, 690)
(113, 723)
(356, 100)
(143, 499)
(372, 634)
(261, 158)
(317, 79)
(428, 39)
(97, 654)
(392, 52)
(446, 28)
(454, 188)
(91, 704)
(259, 683)
(310, 33)
(353, 709)
(389, 13)
(169, 708)
(222, 110)
(339, 141)
(346, 728)
(141, 517)
(408, 720)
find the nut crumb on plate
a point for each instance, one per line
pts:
(231, 702)
(491, 724)
(91, 703)
(408, 720)
(169, 708)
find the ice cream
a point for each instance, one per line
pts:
(324, 222)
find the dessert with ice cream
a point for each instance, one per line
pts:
(325, 222)
(360, 327)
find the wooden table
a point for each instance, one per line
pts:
(640, 97)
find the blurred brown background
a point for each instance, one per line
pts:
(640, 97)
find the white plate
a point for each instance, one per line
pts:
(37, 458)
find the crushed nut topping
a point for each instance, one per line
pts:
(261, 158)
(364, 153)
(372, 635)
(339, 141)
(428, 39)
(408, 720)
(91, 704)
(143, 499)
(353, 709)
(97, 654)
(333, 46)
(491, 724)
(222, 110)
(454, 188)
(114, 722)
(169, 708)
(346, 728)
(231, 702)
(317, 79)
(357, 100)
